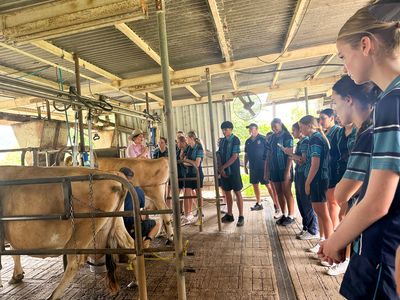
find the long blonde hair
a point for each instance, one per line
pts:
(311, 121)
(363, 23)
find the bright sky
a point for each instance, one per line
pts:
(7, 139)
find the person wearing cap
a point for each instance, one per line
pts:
(137, 149)
(256, 149)
(229, 170)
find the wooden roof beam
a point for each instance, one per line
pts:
(242, 64)
(293, 28)
(224, 43)
(138, 41)
(258, 89)
(327, 60)
(66, 17)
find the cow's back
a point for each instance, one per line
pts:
(47, 199)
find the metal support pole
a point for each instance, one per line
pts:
(90, 137)
(214, 148)
(224, 108)
(80, 115)
(306, 99)
(39, 112)
(173, 172)
(48, 110)
(273, 110)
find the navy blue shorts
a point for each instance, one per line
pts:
(192, 184)
(232, 182)
(318, 190)
(257, 176)
(365, 279)
(333, 176)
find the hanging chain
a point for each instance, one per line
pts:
(92, 210)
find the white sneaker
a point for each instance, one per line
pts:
(326, 264)
(277, 214)
(191, 219)
(184, 221)
(338, 269)
(314, 249)
(308, 236)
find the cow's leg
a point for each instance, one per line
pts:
(18, 273)
(167, 220)
(69, 274)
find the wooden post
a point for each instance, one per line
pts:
(80, 115)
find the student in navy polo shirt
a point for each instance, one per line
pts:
(370, 49)
(281, 170)
(150, 227)
(354, 104)
(162, 150)
(194, 153)
(229, 170)
(256, 149)
(327, 121)
(309, 218)
(317, 173)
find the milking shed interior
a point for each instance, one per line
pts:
(109, 57)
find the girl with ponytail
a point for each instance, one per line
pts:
(280, 169)
(370, 49)
(354, 105)
(317, 173)
(194, 153)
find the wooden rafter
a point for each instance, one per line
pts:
(224, 43)
(327, 60)
(138, 41)
(293, 27)
(247, 63)
(66, 17)
(261, 88)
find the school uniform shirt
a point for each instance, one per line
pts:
(128, 205)
(279, 159)
(380, 240)
(301, 148)
(192, 154)
(345, 144)
(332, 136)
(256, 150)
(318, 147)
(158, 154)
(360, 157)
(228, 147)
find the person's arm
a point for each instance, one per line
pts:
(345, 189)
(288, 144)
(315, 162)
(382, 185)
(234, 157)
(246, 160)
(144, 152)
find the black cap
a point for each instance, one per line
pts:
(226, 124)
(127, 172)
(252, 125)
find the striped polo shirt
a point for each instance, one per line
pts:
(301, 148)
(380, 240)
(318, 147)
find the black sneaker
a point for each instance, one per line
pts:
(227, 219)
(288, 221)
(257, 207)
(240, 222)
(280, 220)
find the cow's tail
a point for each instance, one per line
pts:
(112, 281)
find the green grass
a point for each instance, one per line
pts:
(248, 190)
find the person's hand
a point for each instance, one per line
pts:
(223, 174)
(287, 151)
(266, 176)
(329, 252)
(307, 188)
(246, 170)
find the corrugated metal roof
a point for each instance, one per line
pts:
(300, 74)
(256, 27)
(9, 5)
(323, 20)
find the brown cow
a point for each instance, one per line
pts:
(151, 175)
(47, 199)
